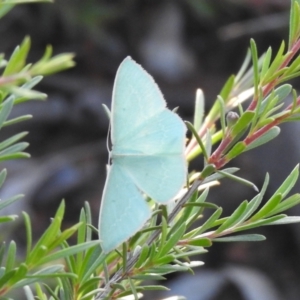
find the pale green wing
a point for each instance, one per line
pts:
(123, 211)
(160, 177)
(154, 156)
(136, 97)
(162, 134)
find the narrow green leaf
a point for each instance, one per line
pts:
(293, 68)
(142, 257)
(64, 236)
(219, 175)
(2, 251)
(47, 272)
(265, 138)
(277, 61)
(28, 228)
(48, 236)
(152, 254)
(3, 174)
(242, 123)
(7, 276)
(9, 201)
(200, 242)
(93, 264)
(16, 148)
(88, 259)
(8, 142)
(265, 64)
(279, 74)
(210, 221)
(20, 274)
(259, 223)
(225, 92)
(255, 202)
(153, 288)
(89, 285)
(237, 149)
(199, 109)
(222, 113)
(124, 256)
(244, 67)
(11, 256)
(54, 64)
(239, 179)
(5, 111)
(81, 235)
(16, 155)
(208, 145)
(89, 228)
(28, 293)
(163, 236)
(9, 218)
(199, 140)
(32, 82)
(70, 261)
(67, 252)
(5, 8)
(185, 213)
(18, 58)
(143, 277)
(227, 88)
(234, 218)
(289, 182)
(286, 220)
(241, 238)
(206, 205)
(133, 289)
(17, 120)
(23, 94)
(255, 66)
(167, 269)
(294, 23)
(267, 208)
(264, 121)
(207, 171)
(173, 240)
(93, 293)
(283, 91)
(286, 204)
(166, 259)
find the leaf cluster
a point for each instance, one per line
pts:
(55, 269)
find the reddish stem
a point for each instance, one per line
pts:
(218, 152)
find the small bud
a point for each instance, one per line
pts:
(231, 118)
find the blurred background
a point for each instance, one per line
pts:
(185, 45)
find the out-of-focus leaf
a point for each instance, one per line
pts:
(241, 238)
(199, 109)
(286, 220)
(5, 111)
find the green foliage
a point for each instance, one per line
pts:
(53, 268)
(7, 5)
